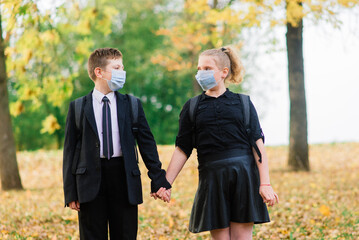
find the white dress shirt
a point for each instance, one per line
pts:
(97, 103)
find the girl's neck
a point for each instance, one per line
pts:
(216, 91)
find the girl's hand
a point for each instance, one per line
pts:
(268, 195)
(166, 196)
(158, 193)
(163, 194)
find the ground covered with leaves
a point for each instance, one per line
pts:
(321, 204)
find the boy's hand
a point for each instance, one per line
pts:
(75, 205)
(163, 194)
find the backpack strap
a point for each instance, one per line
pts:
(134, 113)
(246, 112)
(79, 111)
(134, 118)
(193, 105)
(245, 103)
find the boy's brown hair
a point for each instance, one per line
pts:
(99, 57)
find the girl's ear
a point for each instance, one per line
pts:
(225, 72)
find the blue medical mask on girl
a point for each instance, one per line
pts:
(205, 79)
(117, 81)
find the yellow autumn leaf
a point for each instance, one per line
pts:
(16, 108)
(44, 212)
(50, 125)
(295, 12)
(84, 27)
(9, 51)
(29, 92)
(324, 210)
(273, 23)
(84, 46)
(348, 3)
(170, 222)
(72, 217)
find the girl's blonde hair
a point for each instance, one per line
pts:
(227, 57)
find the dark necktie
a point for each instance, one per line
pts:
(106, 129)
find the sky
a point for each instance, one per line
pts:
(331, 65)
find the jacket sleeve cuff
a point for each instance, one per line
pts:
(70, 197)
(156, 184)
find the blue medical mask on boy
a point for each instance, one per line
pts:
(205, 79)
(117, 81)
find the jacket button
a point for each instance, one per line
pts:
(97, 144)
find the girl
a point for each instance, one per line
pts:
(231, 196)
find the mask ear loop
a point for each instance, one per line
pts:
(101, 74)
(107, 72)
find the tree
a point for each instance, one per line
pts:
(43, 81)
(298, 140)
(9, 171)
(199, 25)
(263, 12)
(298, 158)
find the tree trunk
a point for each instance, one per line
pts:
(298, 140)
(9, 171)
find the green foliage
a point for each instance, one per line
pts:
(47, 53)
(47, 65)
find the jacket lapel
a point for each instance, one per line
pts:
(121, 111)
(88, 111)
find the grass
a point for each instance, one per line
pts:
(321, 204)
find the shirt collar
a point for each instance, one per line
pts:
(99, 96)
(227, 94)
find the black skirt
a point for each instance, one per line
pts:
(228, 191)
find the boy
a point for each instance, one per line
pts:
(100, 172)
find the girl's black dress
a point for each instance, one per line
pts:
(228, 189)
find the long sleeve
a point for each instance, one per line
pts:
(148, 149)
(185, 131)
(256, 130)
(70, 144)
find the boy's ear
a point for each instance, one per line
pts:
(97, 72)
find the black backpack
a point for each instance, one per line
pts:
(193, 105)
(79, 105)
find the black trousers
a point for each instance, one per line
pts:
(110, 209)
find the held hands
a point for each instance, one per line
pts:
(163, 194)
(268, 195)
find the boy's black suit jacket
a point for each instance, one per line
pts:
(83, 184)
